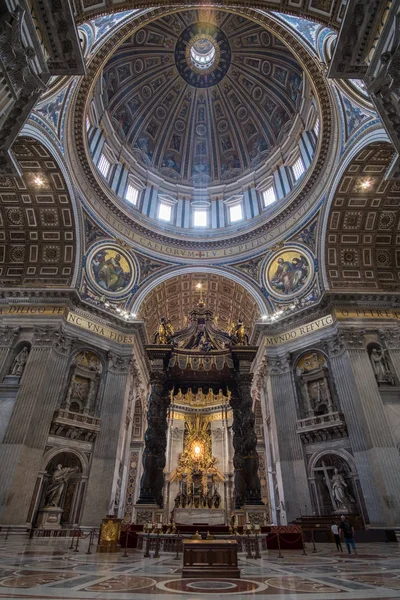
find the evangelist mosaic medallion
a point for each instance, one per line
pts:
(111, 270)
(288, 272)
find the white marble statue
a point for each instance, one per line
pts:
(58, 480)
(381, 368)
(18, 366)
(339, 491)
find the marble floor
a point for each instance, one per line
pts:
(48, 569)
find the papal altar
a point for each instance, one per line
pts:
(199, 516)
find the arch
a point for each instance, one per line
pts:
(240, 279)
(343, 454)
(360, 221)
(53, 452)
(174, 294)
(328, 15)
(30, 130)
(377, 135)
(38, 221)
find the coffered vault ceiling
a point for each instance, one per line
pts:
(37, 224)
(177, 296)
(201, 127)
(362, 238)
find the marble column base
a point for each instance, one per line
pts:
(49, 518)
(256, 515)
(147, 513)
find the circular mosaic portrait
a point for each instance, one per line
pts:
(111, 270)
(288, 272)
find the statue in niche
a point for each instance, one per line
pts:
(18, 366)
(380, 365)
(58, 480)
(340, 492)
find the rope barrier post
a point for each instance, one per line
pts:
(126, 542)
(302, 542)
(147, 550)
(177, 548)
(89, 550)
(249, 554)
(72, 539)
(157, 551)
(77, 542)
(7, 534)
(257, 549)
(279, 546)
(313, 541)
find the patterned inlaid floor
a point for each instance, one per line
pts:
(48, 569)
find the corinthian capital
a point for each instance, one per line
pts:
(352, 339)
(390, 337)
(43, 336)
(62, 343)
(118, 363)
(335, 346)
(8, 335)
(279, 365)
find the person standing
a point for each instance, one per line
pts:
(347, 531)
(335, 531)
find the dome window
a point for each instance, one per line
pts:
(203, 53)
(269, 196)
(164, 212)
(104, 166)
(298, 168)
(235, 213)
(200, 218)
(316, 127)
(131, 194)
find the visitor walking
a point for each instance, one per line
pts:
(347, 531)
(336, 535)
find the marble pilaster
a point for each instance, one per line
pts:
(24, 442)
(375, 454)
(108, 447)
(290, 468)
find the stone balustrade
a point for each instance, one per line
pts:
(322, 427)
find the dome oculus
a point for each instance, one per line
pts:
(202, 55)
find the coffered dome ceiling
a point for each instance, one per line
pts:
(202, 97)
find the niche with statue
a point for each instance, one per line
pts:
(84, 383)
(333, 486)
(381, 365)
(314, 384)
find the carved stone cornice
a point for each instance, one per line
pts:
(352, 339)
(8, 335)
(279, 365)
(118, 363)
(390, 337)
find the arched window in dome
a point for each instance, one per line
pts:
(131, 194)
(236, 213)
(298, 168)
(269, 196)
(104, 166)
(200, 217)
(164, 211)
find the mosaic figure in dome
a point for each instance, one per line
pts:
(111, 270)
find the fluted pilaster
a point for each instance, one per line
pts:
(107, 451)
(375, 453)
(39, 395)
(289, 458)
